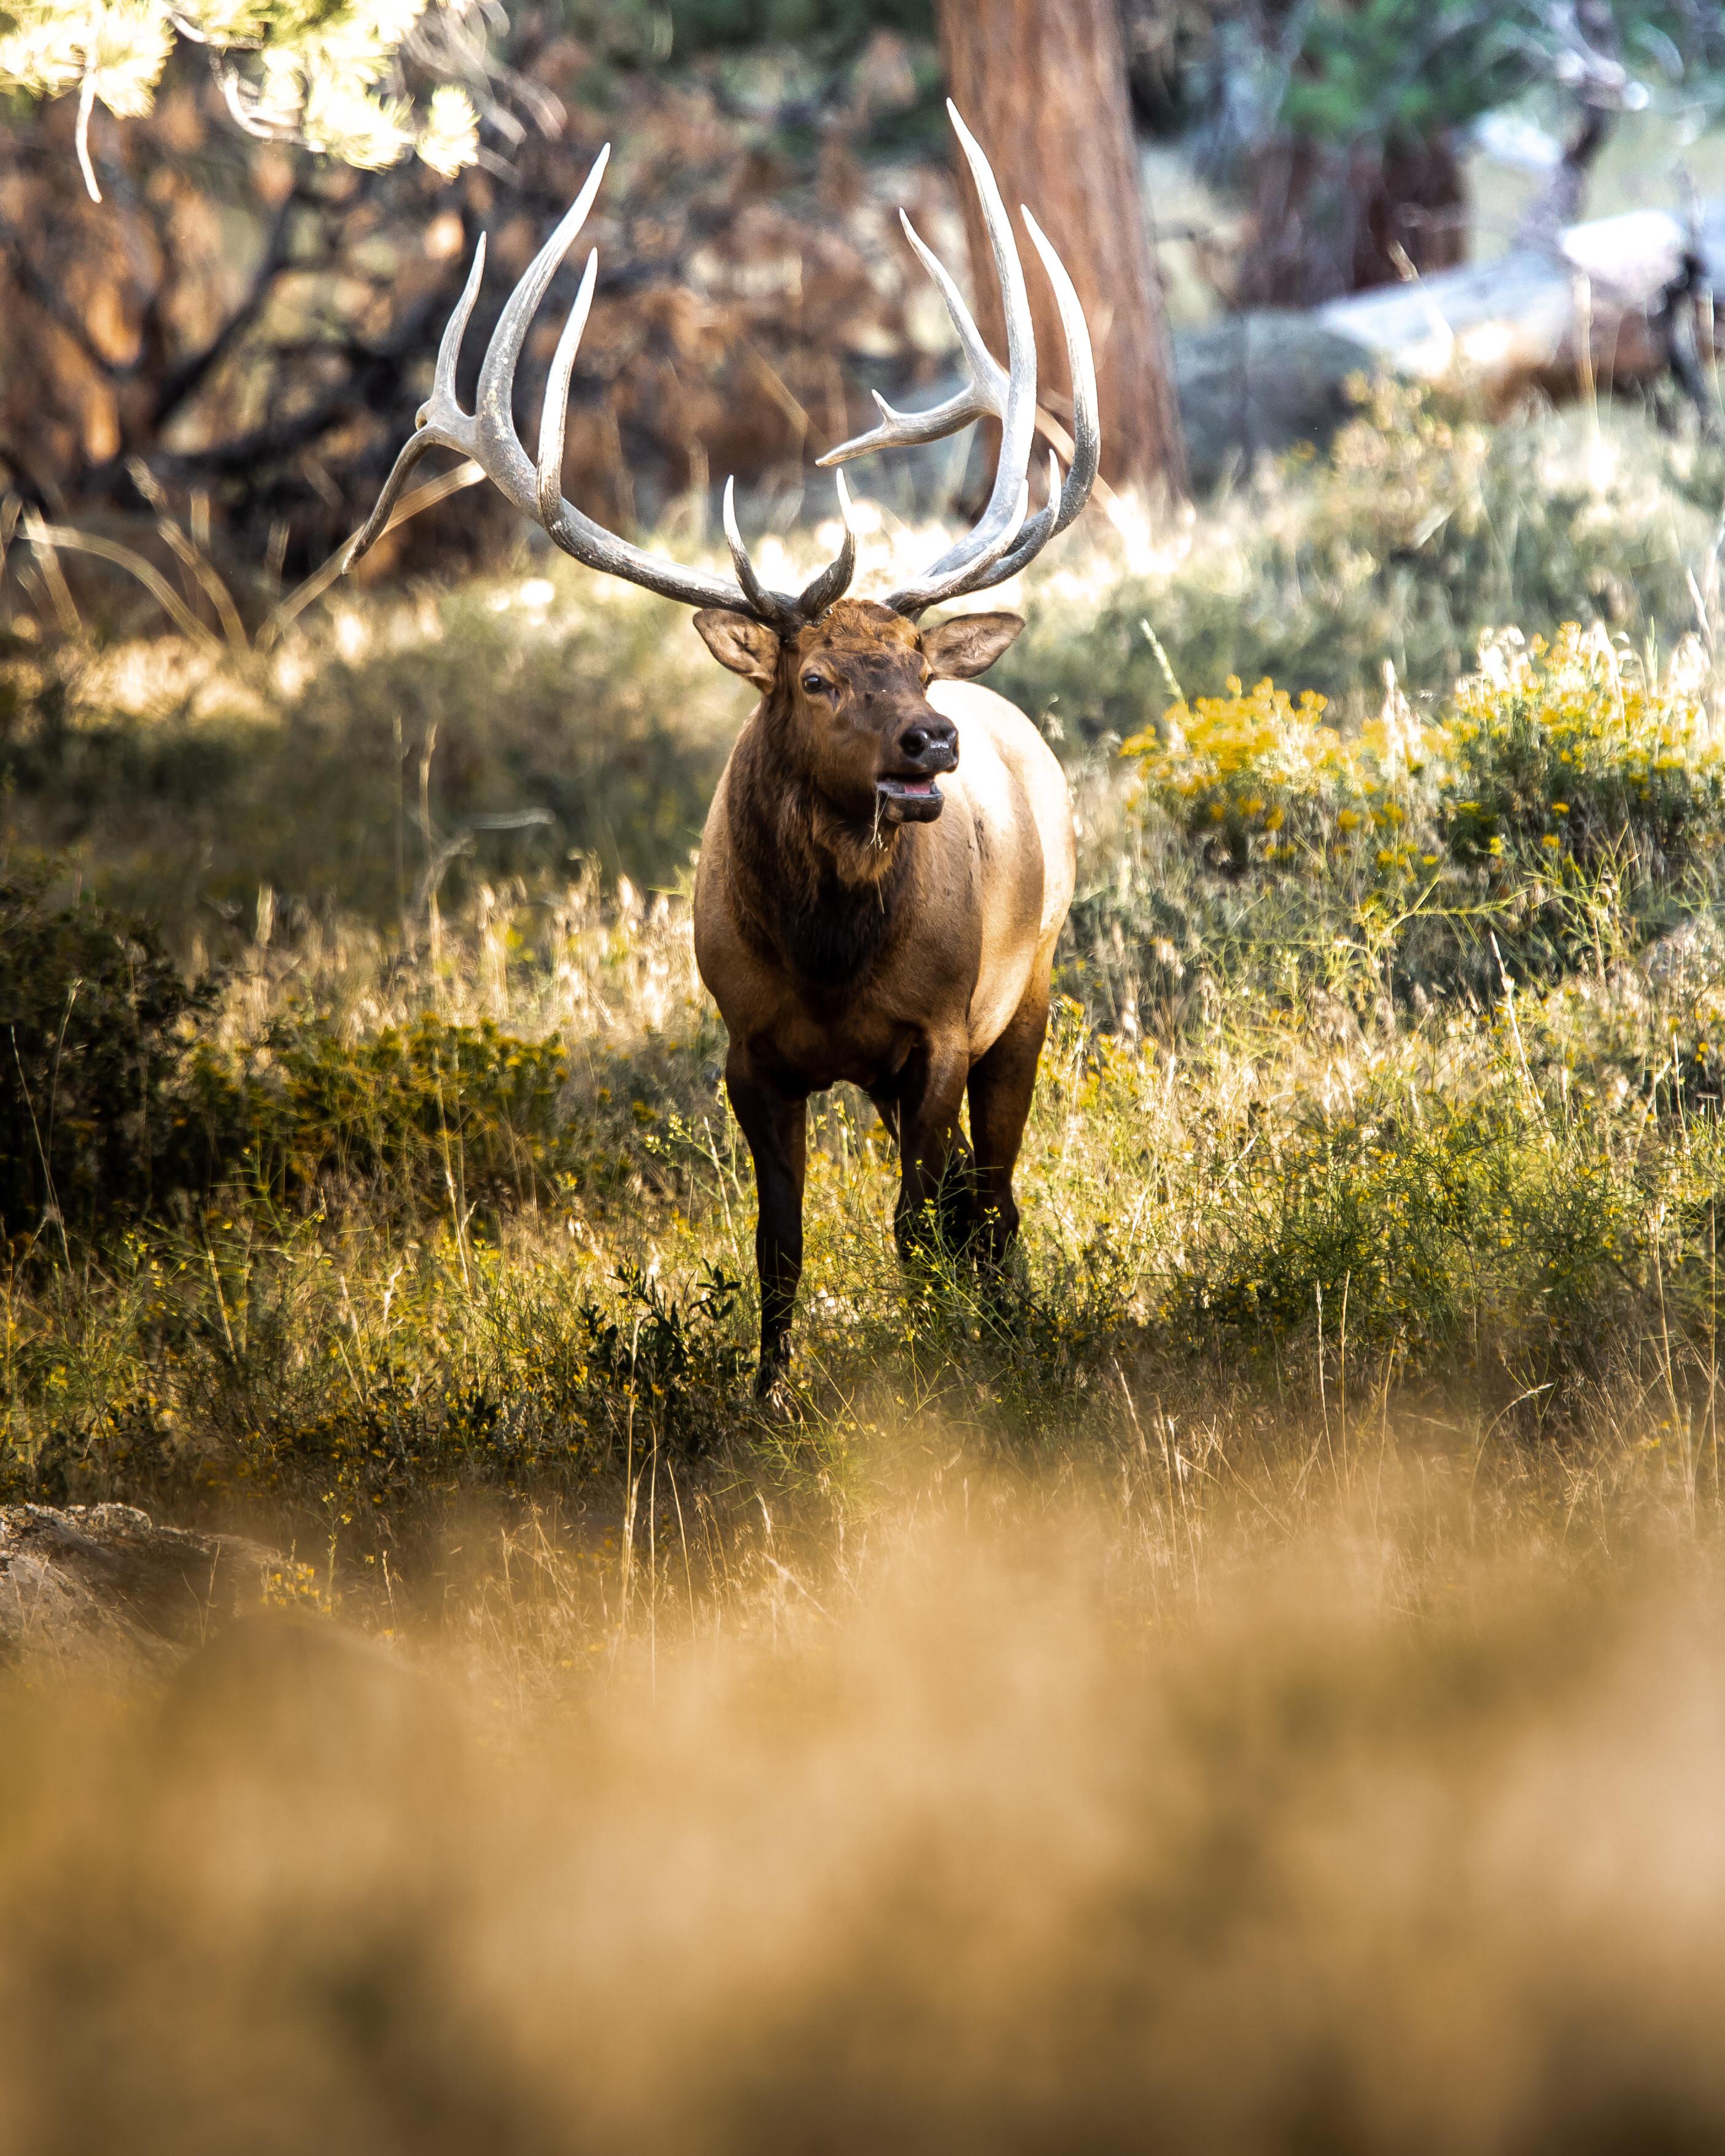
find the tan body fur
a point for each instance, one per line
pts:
(992, 879)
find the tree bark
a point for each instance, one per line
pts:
(1327, 220)
(1042, 84)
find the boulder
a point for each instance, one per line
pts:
(1262, 381)
(104, 1582)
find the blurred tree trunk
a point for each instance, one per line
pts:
(1327, 220)
(1042, 83)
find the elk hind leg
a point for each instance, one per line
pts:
(934, 1196)
(1001, 1084)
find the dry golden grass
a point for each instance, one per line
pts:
(1343, 1805)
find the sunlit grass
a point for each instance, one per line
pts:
(1388, 1054)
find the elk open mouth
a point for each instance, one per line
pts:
(918, 799)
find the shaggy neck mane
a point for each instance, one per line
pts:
(818, 889)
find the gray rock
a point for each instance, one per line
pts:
(1262, 381)
(104, 1582)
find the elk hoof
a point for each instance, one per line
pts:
(777, 1401)
(773, 1393)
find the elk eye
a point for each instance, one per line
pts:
(814, 683)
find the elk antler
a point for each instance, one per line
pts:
(1003, 539)
(487, 434)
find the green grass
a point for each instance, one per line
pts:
(445, 1256)
(1387, 1064)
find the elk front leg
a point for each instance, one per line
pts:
(776, 1125)
(934, 1161)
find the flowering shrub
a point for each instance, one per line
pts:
(1254, 775)
(1568, 750)
(1549, 753)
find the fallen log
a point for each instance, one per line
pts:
(1597, 309)
(1619, 302)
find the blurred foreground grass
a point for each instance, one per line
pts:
(1366, 1806)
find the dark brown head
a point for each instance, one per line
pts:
(848, 698)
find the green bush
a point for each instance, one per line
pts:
(116, 1099)
(447, 1114)
(94, 1017)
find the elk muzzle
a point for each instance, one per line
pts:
(921, 750)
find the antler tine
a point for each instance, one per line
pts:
(487, 434)
(1064, 501)
(771, 607)
(1008, 394)
(984, 396)
(554, 413)
(788, 615)
(493, 406)
(817, 594)
(440, 424)
(442, 400)
(535, 487)
(1081, 364)
(1032, 536)
(1000, 519)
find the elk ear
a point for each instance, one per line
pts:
(969, 644)
(747, 647)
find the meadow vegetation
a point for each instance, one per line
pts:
(364, 1136)
(1274, 1640)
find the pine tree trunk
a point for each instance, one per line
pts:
(1042, 83)
(1327, 220)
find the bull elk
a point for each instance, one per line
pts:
(856, 918)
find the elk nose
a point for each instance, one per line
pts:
(932, 739)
